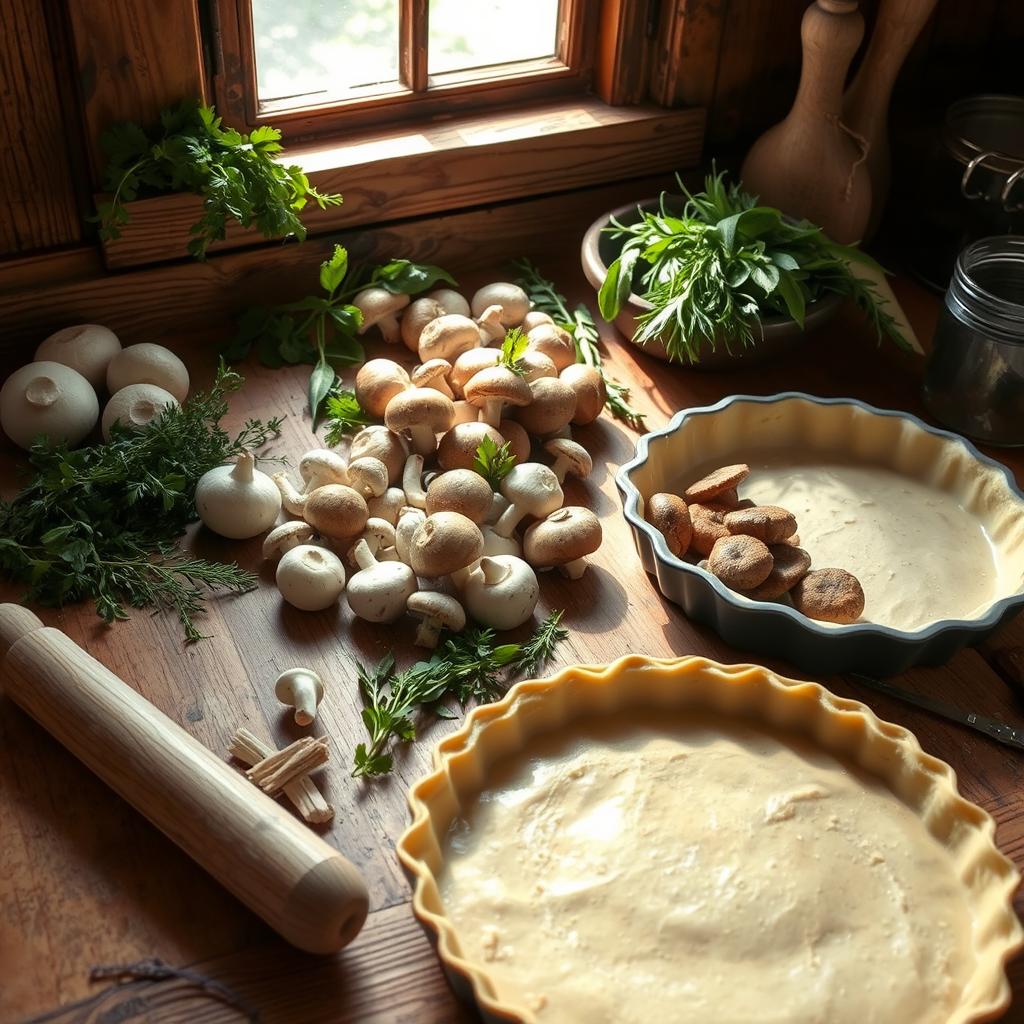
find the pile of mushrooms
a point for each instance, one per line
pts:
(421, 531)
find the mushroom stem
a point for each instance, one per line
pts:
(412, 482)
(428, 632)
(460, 576)
(363, 555)
(243, 468)
(494, 572)
(304, 696)
(42, 392)
(560, 467)
(491, 411)
(423, 439)
(294, 502)
(509, 520)
(574, 569)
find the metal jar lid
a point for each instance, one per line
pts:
(988, 132)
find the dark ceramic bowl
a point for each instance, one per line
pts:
(780, 333)
(838, 429)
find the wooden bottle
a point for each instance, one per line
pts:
(866, 104)
(810, 165)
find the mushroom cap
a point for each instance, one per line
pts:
(419, 407)
(377, 382)
(460, 490)
(380, 531)
(469, 364)
(497, 383)
(534, 319)
(381, 443)
(87, 348)
(432, 374)
(443, 609)
(514, 302)
(135, 407)
(501, 592)
(379, 594)
(457, 448)
(148, 364)
(533, 487)
(51, 399)
(324, 466)
(554, 342)
(591, 392)
(388, 505)
(535, 364)
(580, 462)
(553, 406)
(378, 304)
(416, 316)
(448, 337)
(336, 511)
(492, 330)
(310, 578)
(568, 533)
(287, 536)
(368, 475)
(518, 439)
(450, 300)
(284, 687)
(444, 543)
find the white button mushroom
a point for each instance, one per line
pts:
(379, 591)
(433, 374)
(87, 348)
(321, 466)
(302, 689)
(293, 500)
(435, 612)
(495, 544)
(409, 520)
(533, 490)
(534, 319)
(501, 592)
(412, 482)
(287, 536)
(492, 330)
(310, 578)
(237, 501)
(380, 309)
(378, 535)
(450, 300)
(564, 539)
(47, 399)
(388, 505)
(569, 457)
(368, 476)
(135, 407)
(148, 364)
(514, 302)
(377, 382)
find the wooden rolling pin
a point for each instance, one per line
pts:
(302, 888)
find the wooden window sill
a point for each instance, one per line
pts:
(445, 165)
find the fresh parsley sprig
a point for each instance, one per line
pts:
(469, 666)
(239, 176)
(546, 298)
(494, 462)
(512, 350)
(344, 416)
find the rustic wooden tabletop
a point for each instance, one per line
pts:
(85, 881)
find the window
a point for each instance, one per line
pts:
(325, 62)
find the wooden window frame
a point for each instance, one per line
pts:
(417, 96)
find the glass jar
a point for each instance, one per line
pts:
(974, 381)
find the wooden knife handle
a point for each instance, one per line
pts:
(303, 888)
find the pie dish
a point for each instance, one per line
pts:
(939, 549)
(905, 910)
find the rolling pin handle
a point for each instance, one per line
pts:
(15, 623)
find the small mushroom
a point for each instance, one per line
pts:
(302, 689)
(499, 503)
(409, 520)
(422, 412)
(287, 536)
(444, 543)
(294, 501)
(433, 374)
(321, 466)
(388, 505)
(450, 301)
(135, 407)
(495, 544)
(534, 319)
(378, 535)
(492, 330)
(380, 309)
(435, 612)
(533, 490)
(48, 399)
(534, 364)
(310, 577)
(412, 482)
(448, 337)
(501, 592)
(514, 302)
(569, 457)
(381, 443)
(590, 389)
(517, 438)
(87, 348)
(465, 412)
(237, 501)
(469, 364)
(552, 407)
(148, 364)
(457, 448)
(368, 476)
(460, 490)
(336, 511)
(564, 539)
(555, 342)
(377, 382)
(417, 315)
(495, 387)
(379, 591)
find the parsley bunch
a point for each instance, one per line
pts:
(469, 666)
(237, 175)
(493, 462)
(101, 522)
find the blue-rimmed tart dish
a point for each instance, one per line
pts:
(933, 529)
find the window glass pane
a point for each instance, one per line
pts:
(326, 47)
(479, 34)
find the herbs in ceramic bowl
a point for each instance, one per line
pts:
(716, 266)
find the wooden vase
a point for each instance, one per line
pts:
(810, 165)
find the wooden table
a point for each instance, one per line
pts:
(86, 881)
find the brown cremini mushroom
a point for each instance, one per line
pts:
(457, 448)
(380, 309)
(417, 315)
(435, 612)
(424, 413)
(336, 511)
(555, 343)
(444, 543)
(564, 539)
(495, 387)
(534, 319)
(569, 457)
(514, 302)
(460, 490)
(448, 337)
(368, 475)
(553, 405)
(590, 389)
(533, 364)
(670, 515)
(377, 382)
(380, 443)
(517, 438)
(533, 490)
(469, 364)
(465, 412)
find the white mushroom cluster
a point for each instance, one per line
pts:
(57, 395)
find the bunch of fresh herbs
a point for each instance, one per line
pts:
(238, 176)
(546, 298)
(713, 271)
(494, 462)
(101, 522)
(468, 666)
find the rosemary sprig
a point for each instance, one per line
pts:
(580, 324)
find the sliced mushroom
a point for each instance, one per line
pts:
(409, 521)
(287, 536)
(554, 342)
(514, 302)
(368, 476)
(590, 389)
(471, 363)
(552, 407)
(336, 511)
(380, 590)
(377, 382)
(460, 490)
(564, 539)
(533, 490)
(569, 457)
(444, 543)
(422, 412)
(457, 448)
(380, 309)
(433, 374)
(495, 387)
(435, 612)
(448, 337)
(501, 592)
(388, 505)
(381, 443)
(322, 466)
